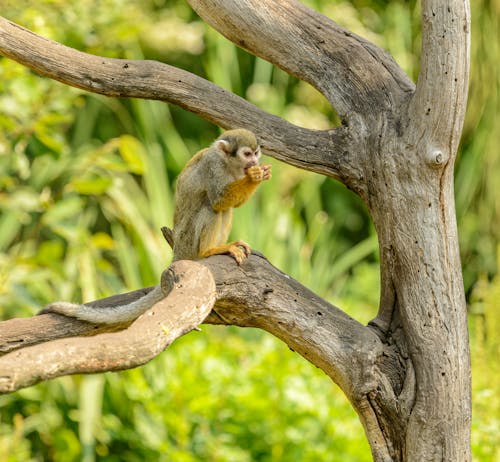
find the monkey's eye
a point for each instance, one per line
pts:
(247, 153)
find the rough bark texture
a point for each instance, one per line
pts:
(407, 374)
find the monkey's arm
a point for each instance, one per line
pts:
(239, 191)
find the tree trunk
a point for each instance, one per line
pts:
(423, 306)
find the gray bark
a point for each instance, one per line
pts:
(407, 374)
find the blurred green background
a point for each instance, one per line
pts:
(86, 182)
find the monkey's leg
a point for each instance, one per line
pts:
(214, 236)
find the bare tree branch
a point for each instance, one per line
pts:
(438, 106)
(23, 332)
(255, 294)
(354, 74)
(190, 300)
(325, 152)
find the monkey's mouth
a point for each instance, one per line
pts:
(245, 169)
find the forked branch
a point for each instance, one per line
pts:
(255, 294)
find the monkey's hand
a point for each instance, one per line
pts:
(258, 173)
(266, 172)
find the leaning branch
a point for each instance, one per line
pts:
(319, 151)
(257, 294)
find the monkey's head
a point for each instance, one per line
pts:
(241, 148)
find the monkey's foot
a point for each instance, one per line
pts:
(242, 245)
(239, 250)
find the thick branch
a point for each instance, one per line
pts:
(257, 294)
(190, 300)
(439, 103)
(354, 74)
(319, 151)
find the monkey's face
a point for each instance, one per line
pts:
(242, 159)
(248, 157)
(241, 150)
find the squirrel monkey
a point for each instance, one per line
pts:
(212, 183)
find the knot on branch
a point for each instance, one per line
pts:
(435, 157)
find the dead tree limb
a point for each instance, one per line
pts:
(52, 353)
(158, 81)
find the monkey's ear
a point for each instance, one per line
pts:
(223, 145)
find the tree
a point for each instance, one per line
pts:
(407, 373)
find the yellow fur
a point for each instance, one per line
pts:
(236, 194)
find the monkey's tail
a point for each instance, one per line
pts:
(107, 314)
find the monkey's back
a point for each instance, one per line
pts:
(192, 206)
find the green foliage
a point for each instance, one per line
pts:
(87, 181)
(478, 171)
(485, 326)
